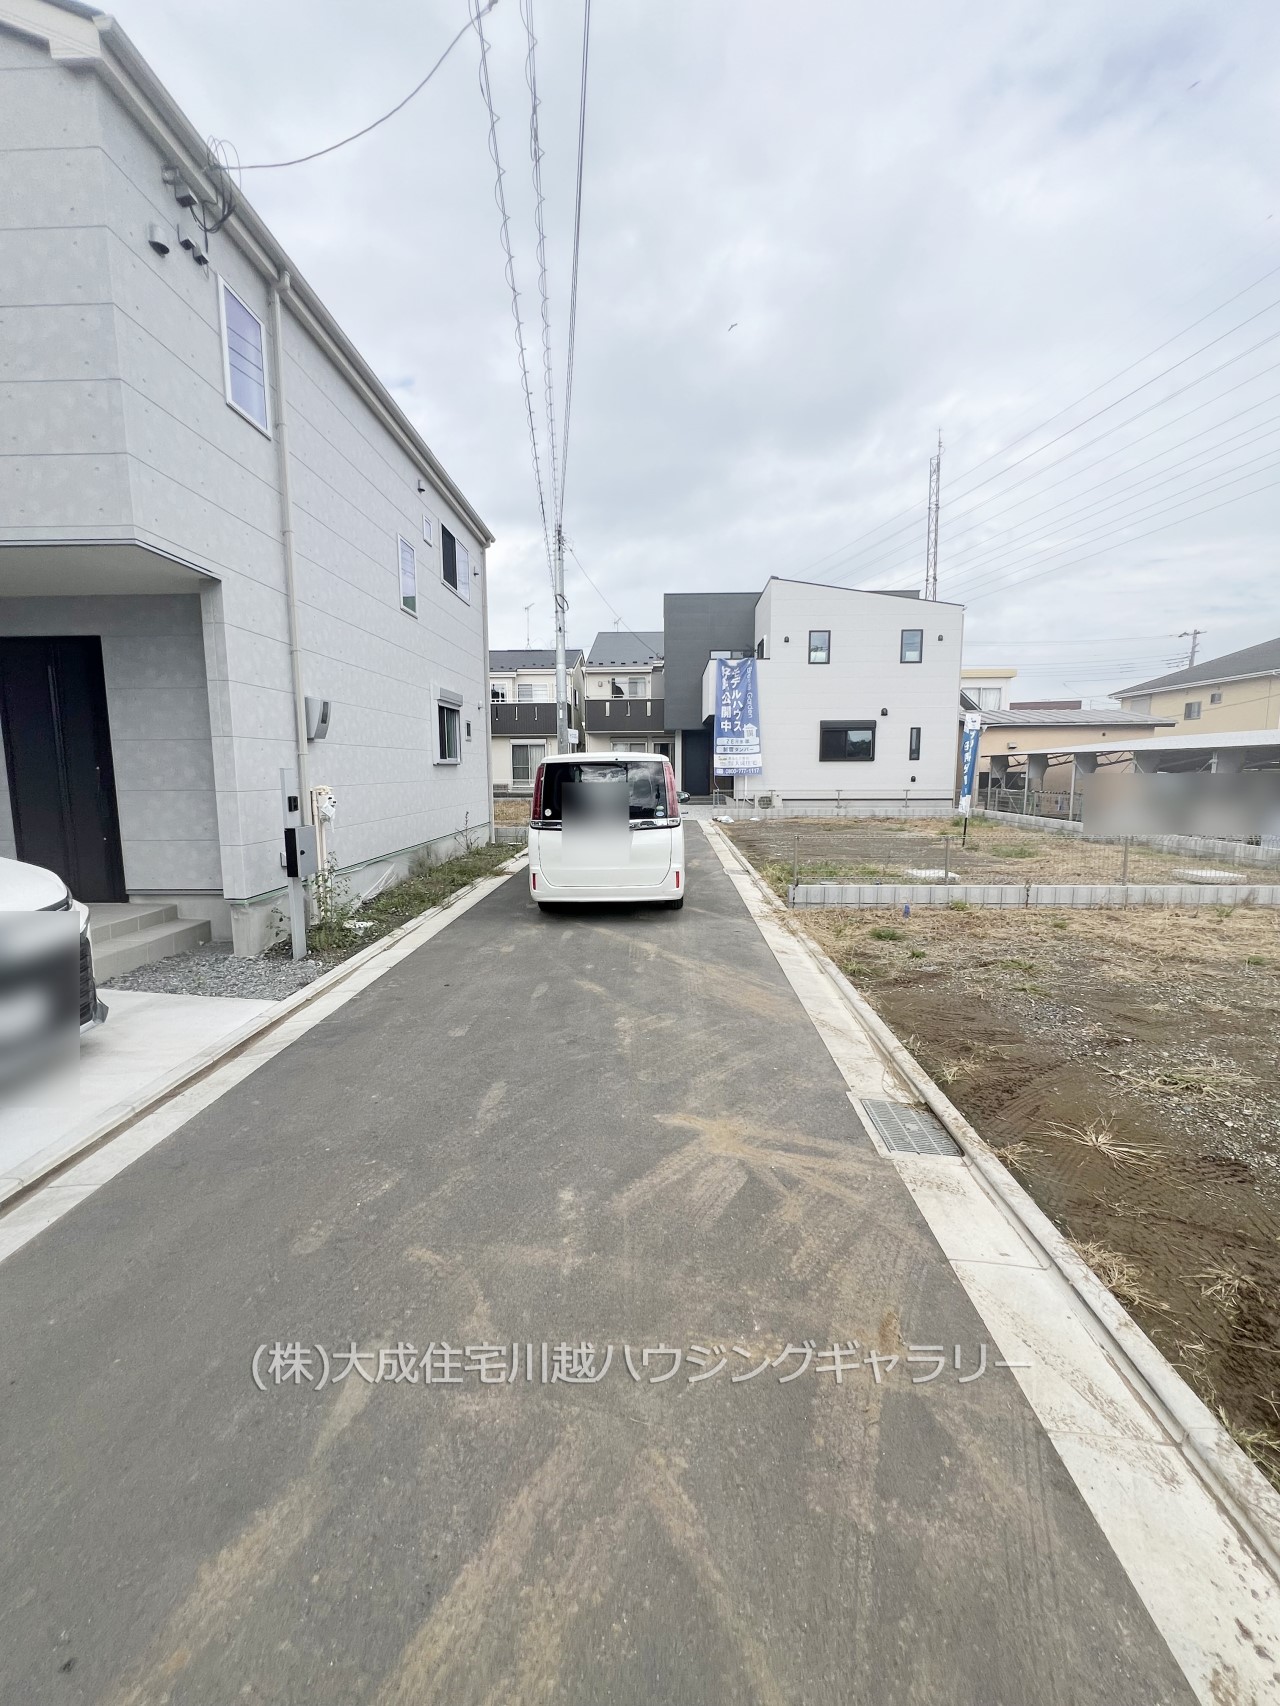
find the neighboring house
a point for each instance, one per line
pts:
(857, 690)
(1238, 691)
(988, 688)
(212, 514)
(522, 713)
(624, 693)
(1008, 737)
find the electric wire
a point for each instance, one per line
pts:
(1163, 426)
(319, 153)
(997, 572)
(911, 512)
(609, 607)
(504, 227)
(539, 203)
(573, 270)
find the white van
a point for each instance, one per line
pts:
(606, 826)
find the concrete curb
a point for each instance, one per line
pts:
(48, 1163)
(1232, 1480)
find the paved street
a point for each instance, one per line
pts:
(619, 1127)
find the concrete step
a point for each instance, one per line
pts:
(119, 954)
(111, 919)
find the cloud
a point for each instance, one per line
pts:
(919, 217)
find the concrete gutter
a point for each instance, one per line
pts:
(56, 1159)
(1231, 1479)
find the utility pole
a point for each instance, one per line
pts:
(1192, 634)
(935, 496)
(528, 643)
(562, 684)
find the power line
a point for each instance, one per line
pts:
(997, 571)
(912, 511)
(991, 558)
(573, 272)
(586, 577)
(1022, 580)
(504, 226)
(539, 200)
(1162, 427)
(276, 165)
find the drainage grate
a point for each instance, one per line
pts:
(911, 1131)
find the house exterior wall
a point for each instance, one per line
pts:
(518, 721)
(863, 678)
(694, 625)
(1249, 704)
(1016, 741)
(111, 369)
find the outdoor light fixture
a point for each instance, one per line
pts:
(158, 238)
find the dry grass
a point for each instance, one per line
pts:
(1212, 1080)
(1120, 1275)
(1225, 1287)
(1260, 1444)
(1099, 1136)
(506, 810)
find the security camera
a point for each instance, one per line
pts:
(158, 238)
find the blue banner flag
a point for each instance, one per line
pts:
(737, 734)
(969, 760)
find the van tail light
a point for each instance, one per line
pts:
(677, 878)
(533, 880)
(673, 803)
(535, 809)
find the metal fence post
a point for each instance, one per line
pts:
(1124, 863)
(795, 865)
(946, 859)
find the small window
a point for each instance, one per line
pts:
(428, 530)
(846, 743)
(244, 366)
(912, 648)
(408, 578)
(538, 692)
(455, 564)
(819, 645)
(449, 721)
(913, 746)
(468, 728)
(760, 648)
(1191, 711)
(499, 692)
(1215, 698)
(526, 756)
(635, 687)
(988, 698)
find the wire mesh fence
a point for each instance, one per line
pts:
(986, 850)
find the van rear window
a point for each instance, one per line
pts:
(645, 781)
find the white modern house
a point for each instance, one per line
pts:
(522, 713)
(220, 538)
(857, 691)
(623, 678)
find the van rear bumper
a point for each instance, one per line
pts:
(671, 888)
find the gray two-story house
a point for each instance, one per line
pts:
(230, 567)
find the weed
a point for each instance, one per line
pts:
(886, 933)
(1014, 850)
(1099, 1136)
(1058, 923)
(1118, 1274)
(1017, 965)
(1261, 1444)
(916, 954)
(1214, 1080)
(1015, 1154)
(957, 906)
(1255, 960)
(1226, 1286)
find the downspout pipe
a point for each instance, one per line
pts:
(279, 288)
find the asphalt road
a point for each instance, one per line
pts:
(614, 1127)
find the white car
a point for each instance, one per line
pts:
(29, 889)
(606, 827)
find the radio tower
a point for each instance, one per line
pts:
(935, 494)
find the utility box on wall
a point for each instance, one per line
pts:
(300, 850)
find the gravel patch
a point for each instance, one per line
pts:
(214, 970)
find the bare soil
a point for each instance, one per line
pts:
(1124, 1066)
(896, 850)
(510, 810)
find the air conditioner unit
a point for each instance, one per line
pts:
(764, 801)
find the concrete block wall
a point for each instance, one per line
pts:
(1022, 895)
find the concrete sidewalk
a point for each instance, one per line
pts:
(145, 1039)
(619, 1126)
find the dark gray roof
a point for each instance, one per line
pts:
(614, 650)
(1263, 659)
(1083, 719)
(533, 658)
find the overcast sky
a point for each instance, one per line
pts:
(914, 217)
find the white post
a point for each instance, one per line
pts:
(562, 685)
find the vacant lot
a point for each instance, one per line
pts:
(510, 810)
(897, 850)
(1124, 1065)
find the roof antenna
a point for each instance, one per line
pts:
(528, 643)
